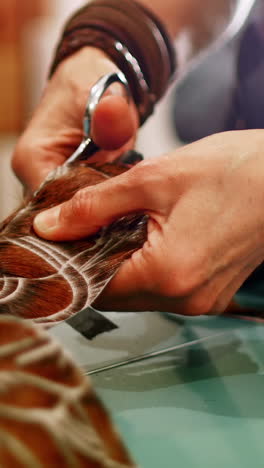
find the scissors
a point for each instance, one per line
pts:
(88, 147)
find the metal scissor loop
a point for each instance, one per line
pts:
(87, 147)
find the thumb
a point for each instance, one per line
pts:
(114, 122)
(93, 207)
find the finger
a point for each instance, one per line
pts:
(97, 206)
(114, 122)
(135, 288)
(37, 154)
(33, 170)
(128, 290)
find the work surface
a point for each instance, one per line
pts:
(197, 405)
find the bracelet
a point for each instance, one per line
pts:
(133, 38)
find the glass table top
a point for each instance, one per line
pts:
(198, 406)
(197, 402)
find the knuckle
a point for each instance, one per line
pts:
(139, 172)
(155, 182)
(146, 176)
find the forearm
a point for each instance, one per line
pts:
(133, 37)
(137, 37)
(199, 26)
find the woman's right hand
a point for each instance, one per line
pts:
(55, 129)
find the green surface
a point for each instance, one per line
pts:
(199, 406)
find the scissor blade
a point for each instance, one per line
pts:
(86, 149)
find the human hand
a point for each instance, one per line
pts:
(55, 129)
(205, 231)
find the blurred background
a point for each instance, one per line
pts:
(206, 97)
(29, 31)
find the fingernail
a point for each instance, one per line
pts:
(47, 220)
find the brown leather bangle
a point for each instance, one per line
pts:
(133, 38)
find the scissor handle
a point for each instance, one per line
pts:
(97, 92)
(87, 147)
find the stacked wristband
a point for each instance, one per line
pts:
(133, 38)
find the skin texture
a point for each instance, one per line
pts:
(55, 129)
(205, 232)
(205, 201)
(49, 282)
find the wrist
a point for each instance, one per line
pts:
(86, 65)
(133, 38)
(81, 70)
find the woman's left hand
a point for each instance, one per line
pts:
(205, 203)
